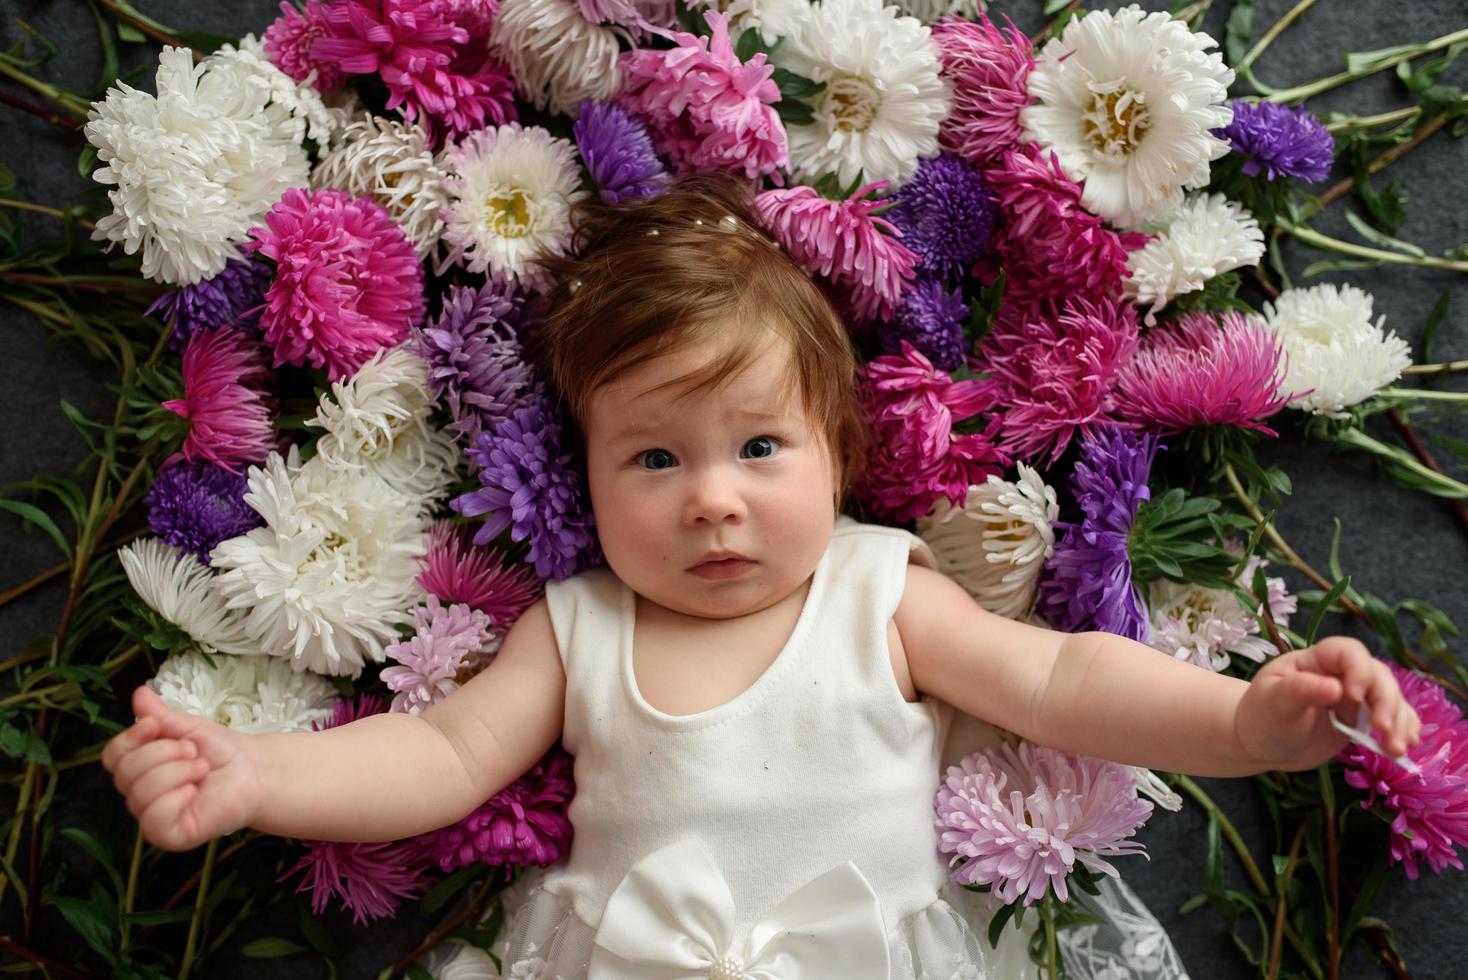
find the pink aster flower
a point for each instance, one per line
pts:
(288, 43)
(433, 55)
(1430, 809)
(845, 243)
(228, 412)
(347, 280)
(642, 17)
(990, 74)
(1055, 371)
(451, 644)
(523, 824)
(370, 879)
(1203, 370)
(706, 111)
(1048, 244)
(1021, 819)
(456, 570)
(912, 408)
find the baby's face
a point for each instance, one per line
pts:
(676, 479)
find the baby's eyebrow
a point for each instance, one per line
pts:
(636, 431)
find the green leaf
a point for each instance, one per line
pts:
(1192, 905)
(996, 924)
(1338, 265)
(794, 113)
(751, 43)
(1239, 30)
(270, 947)
(1435, 317)
(1318, 616)
(129, 33)
(793, 86)
(34, 515)
(417, 972)
(448, 888)
(1380, 239)
(94, 920)
(99, 853)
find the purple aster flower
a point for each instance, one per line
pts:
(474, 357)
(523, 824)
(194, 506)
(931, 317)
(1087, 583)
(618, 153)
(530, 487)
(233, 298)
(449, 641)
(946, 216)
(370, 879)
(1279, 140)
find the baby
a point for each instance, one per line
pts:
(755, 689)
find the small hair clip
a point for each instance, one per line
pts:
(573, 285)
(729, 223)
(654, 232)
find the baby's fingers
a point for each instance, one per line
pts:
(147, 757)
(161, 820)
(1313, 689)
(1349, 660)
(160, 780)
(126, 741)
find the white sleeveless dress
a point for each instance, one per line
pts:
(786, 834)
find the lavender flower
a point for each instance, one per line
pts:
(233, 298)
(1088, 581)
(523, 824)
(931, 317)
(529, 483)
(194, 506)
(1279, 140)
(447, 641)
(945, 215)
(618, 153)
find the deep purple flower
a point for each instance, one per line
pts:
(618, 153)
(194, 506)
(233, 298)
(1279, 140)
(1088, 581)
(946, 216)
(523, 824)
(931, 317)
(530, 486)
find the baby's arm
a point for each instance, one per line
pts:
(383, 777)
(1103, 695)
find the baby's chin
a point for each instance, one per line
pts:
(719, 599)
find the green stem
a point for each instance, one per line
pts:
(10, 202)
(1426, 394)
(69, 103)
(1312, 237)
(1444, 367)
(196, 920)
(132, 887)
(22, 803)
(1279, 26)
(1357, 439)
(1302, 92)
(1052, 953)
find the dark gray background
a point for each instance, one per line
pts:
(1395, 543)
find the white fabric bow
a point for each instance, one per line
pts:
(672, 918)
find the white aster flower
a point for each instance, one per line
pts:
(254, 695)
(333, 570)
(1128, 101)
(557, 57)
(512, 189)
(1205, 236)
(389, 161)
(194, 167)
(377, 421)
(773, 19)
(1337, 355)
(996, 544)
(1207, 626)
(883, 100)
(177, 587)
(929, 11)
(311, 119)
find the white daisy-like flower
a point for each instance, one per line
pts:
(1205, 236)
(194, 167)
(254, 695)
(773, 19)
(512, 189)
(557, 57)
(310, 117)
(177, 587)
(1337, 355)
(389, 161)
(1149, 784)
(1128, 101)
(377, 421)
(929, 11)
(333, 570)
(996, 544)
(884, 98)
(1207, 626)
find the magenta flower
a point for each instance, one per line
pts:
(1055, 371)
(1203, 370)
(228, 412)
(288, 43)
(845, 243)
(344, 711)
(451, 644)
(347, 280)
(370, 879)
(1021, 819)
(1430, 810)
(456, 570)
(912, 408)
(707, 112)
(523, 824)
(990, 75)
(641, 17)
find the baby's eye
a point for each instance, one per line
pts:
(655, 459)
(765, 446)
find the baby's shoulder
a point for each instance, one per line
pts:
(849, 532)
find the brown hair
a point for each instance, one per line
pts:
(659, 275)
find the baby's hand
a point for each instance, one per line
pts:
(1284, 718)
(187, 780)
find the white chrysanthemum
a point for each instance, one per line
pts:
(194, 168)
(333, 570)
(1336, 353)
(557, 57)
(1205, 236)
(773, 19)
(377, 421)
(996, 544)
(254, 695)
(1128, 101)
(1206, 626)
(177, 587)
(929, 11)
(512, 189)
(389, 161)
(309, 114)
(883, 100)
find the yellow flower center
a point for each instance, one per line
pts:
(509, 212)
(1117, 119)
(851, 103)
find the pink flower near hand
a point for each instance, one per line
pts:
(228, 412)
